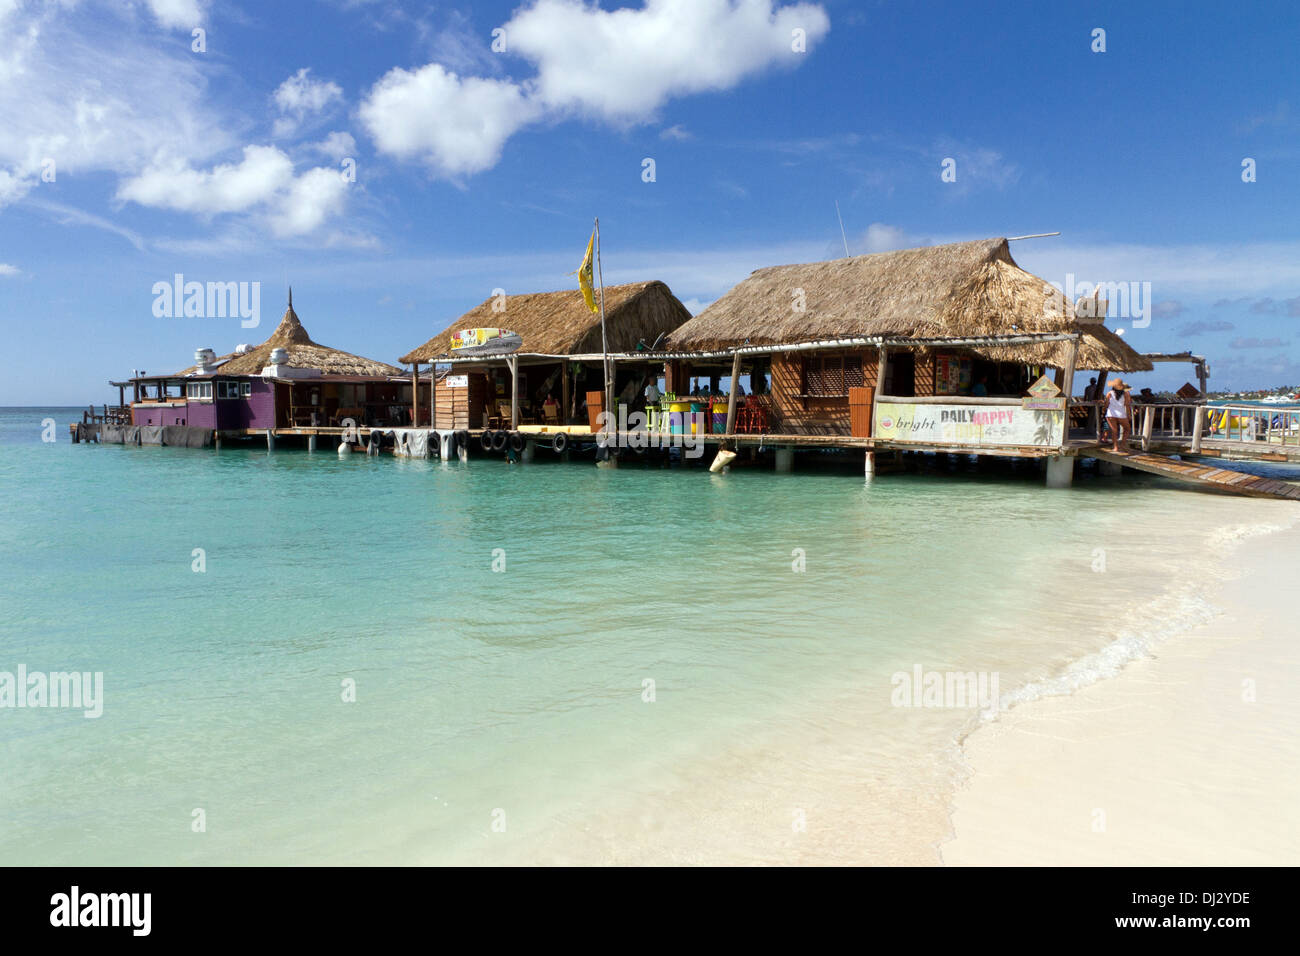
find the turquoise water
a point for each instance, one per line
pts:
(517, 696)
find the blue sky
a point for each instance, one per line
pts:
(478, 169)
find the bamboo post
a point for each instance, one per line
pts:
(415, 394)
(604, 342)
(433, 397)
(1067, 387)
(1198, 423)
(564, 392)
(882, 361)
(733, 400)
(512, 362)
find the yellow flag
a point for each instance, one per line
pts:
(585, 277)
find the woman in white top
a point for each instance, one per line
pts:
(1119, 412)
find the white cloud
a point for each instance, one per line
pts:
(66, 215)
(264, 172)
(264, 179)
(625, 64)
(13, 188)
(69, 98)
(456, 126)
(177, 14)
(676, 132)
(299, 96)
(881, 237)
(1191, 270)
(7, 271)
(619, 66)
(337, 146)
(312, 198)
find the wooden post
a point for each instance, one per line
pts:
(735, 391)
(882, 357)
(512, 362)
(1201, 377)
(1147, 421)
(1067, 387)
(610, 375)
(1101, 397)
(415, 394)
(565, 410)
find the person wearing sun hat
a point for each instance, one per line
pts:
(1119, 412)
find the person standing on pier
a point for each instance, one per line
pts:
(1119, 413)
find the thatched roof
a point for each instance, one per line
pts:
(559, 323)
(961, 290)
(304, 353)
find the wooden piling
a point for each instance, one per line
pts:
(735, 392)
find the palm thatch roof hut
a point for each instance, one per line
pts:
(559, 323)
(303, 353)
(965, 290)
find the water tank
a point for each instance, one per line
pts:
(279, 356)
(204, 357)
(241, 348)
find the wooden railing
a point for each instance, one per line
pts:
(112, 415)
(1272, 424)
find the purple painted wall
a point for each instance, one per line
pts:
(202, 414)
(258, 410)
(159, 415)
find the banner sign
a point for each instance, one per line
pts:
(968, 424)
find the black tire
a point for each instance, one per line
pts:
(500, 440)
(462, 439)
(560, 442)
(485, 440)
(517, 442)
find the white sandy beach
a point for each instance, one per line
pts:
(1167, 763)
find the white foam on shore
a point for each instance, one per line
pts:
(1181, 608)
(1177, 761)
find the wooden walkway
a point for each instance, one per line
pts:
(1200, 475)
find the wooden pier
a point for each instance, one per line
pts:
(1205, 477)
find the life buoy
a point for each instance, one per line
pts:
(500, 440)
(485, 440)
(517, 442)
(560, 442)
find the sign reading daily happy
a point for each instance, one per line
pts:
(968, 424)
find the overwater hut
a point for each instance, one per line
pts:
(288, 381)
(558, 356)
(935, 346)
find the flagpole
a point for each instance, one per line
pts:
(604, 343)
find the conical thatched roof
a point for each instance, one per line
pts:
(961, 290)
(304, 353)
(559, 323)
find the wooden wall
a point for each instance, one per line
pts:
(793, 414)
(462, 407)
(924, 374)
